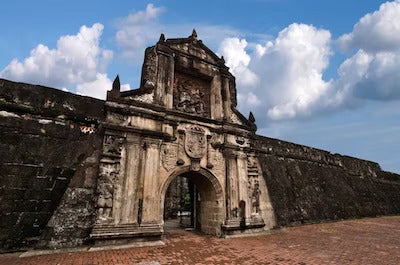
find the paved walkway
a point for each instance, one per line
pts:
(365, 241)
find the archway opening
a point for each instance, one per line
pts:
(192, 202)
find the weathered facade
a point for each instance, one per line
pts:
(182, 121)
(103, 168)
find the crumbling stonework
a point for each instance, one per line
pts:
(76, 170)
(308, 185)
(49, 140)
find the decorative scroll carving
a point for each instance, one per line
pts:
(195, 142)
(191, 95)
(168, 156)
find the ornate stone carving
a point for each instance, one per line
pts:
(112, 145)
(195, 142)
(168, 156)
(108, 176)
(191, 95)
(254, 184)
(255, 196)
(105, 189)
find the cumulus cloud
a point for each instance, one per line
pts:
(137, 29)
(288, 71)
(77, 59)
(98, 87)
(78, 63)
(376, 31)
(373, 71)
(238, 60)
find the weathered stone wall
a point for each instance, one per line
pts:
(308, 185)
(49, 150)
(51, 143)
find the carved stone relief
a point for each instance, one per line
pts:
(191, 95)
(253, 184)
(169, 156)
(195, 142)
(108, 176)
(112, 145)
(105, 188)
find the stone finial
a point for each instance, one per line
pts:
(162, 38)
(194, 34)
(116, 87)
(222, 59)
(251, 118)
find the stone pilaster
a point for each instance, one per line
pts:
(129, 207)
(150, 175)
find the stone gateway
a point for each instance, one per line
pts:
(181, 123)
(80, 171)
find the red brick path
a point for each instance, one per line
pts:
(365, 241)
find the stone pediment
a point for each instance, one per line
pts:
(184, 76)
(192, 47)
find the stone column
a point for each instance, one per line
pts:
(232, 185)
(226, 97)
(162, 77)
(151, 166)
(129, 211)
(209, 152)
(169, 97)
(181, 147)
(216, 98)
(243, 182)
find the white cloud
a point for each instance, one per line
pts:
(376, 31)
(288, 71)
(137, 29)
(77, 59)
(98, 88)
(237, 59)
(373, 71)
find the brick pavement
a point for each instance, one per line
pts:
(364, 241)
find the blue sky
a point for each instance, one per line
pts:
(321, 73)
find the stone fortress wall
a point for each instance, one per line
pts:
(50, 147)
(50, 143)
(76, 170)
(308, 185)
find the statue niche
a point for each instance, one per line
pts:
(191, 95)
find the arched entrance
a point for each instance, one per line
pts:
(205, 205)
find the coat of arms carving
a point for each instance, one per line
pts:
(195, 142)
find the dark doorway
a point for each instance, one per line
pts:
(178, 204)
(191, 203)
